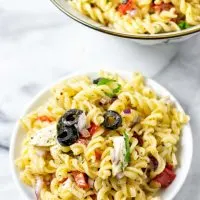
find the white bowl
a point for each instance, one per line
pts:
(185, 148)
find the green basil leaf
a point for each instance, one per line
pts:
(122, 166)
(105, 81)
(127, 157)
(183, 25)
(117, 89)
(187, 25)
(110, 95)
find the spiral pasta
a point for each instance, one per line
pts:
(122, 162)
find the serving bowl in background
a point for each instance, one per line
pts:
(146, 39)
(185, 145)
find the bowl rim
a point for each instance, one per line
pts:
(175, 34)
(46, 89)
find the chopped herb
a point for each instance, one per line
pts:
(183, 25)
(114, 92)
(104, 81)
(117, 89)
(110, 95)
(122, 166)
(127, 157)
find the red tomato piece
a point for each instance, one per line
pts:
(98, 154)
(162, 6)
(93, 196)
(169, 166)
(124, 7)
(166, 177)
(175, 20)
(45, 118)
(80, 179)
(93, 128)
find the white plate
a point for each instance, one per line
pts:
(185, 147)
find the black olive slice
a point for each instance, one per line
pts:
(70, 117)
(67, 135)
(95, 81)
(112, 120)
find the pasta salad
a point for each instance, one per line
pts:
(142, 16)
(104, 139)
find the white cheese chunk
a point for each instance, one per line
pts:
(45, 137)
(118, 154)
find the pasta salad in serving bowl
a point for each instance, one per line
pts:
(102, 136)
(145, 21)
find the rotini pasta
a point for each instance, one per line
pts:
(102, 139)
(142, 16)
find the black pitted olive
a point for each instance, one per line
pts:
(112, 120)
(95, 81)
(70, 117)
(67, 135)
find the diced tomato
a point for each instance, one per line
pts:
(175, 20)
(80, 179)
(162, 6)
(93, 128)
(82, 141)
(93, 196)
(166, 177)
(45, 118)
(169, 166)
(98, 154)
(124, 7)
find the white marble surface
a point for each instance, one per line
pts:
(39, 44)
